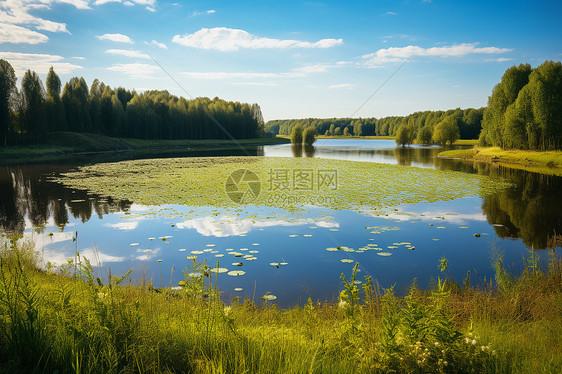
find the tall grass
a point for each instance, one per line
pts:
(72, 321)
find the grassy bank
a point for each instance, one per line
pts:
(548, 162)
(63, 144)
(74, 319)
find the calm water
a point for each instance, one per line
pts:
(511, 221)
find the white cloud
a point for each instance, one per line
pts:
(148, 3)
(205, 12)
(390, 13)
(101, 2)
(118, 38)
(150, 9)
(97, 258)
(131, 225)
(157, 44)
(127, 53)
(79, 4)
(397, 54)
(16, 22)
(135, 70)
(78, 58)
(501, 59)
(225, 39)
(39, 63)
(17, 34)
(348, 86)
(224, 226)
(294, 73)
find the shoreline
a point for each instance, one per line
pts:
(547, 162)
(65, 145)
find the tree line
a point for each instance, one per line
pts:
(425, 127)
(525, 109)
(28, 114)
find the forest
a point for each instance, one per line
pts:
(468, 122)
(525, 109)
(28, 114)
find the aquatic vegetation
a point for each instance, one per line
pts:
(269, 297)
(236, 273)
(346, 260)
(166, 181)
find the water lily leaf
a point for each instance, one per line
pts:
(236, 273)
(197, 252)
(269, 297)
(331, 249)
(346, 260)
(385, 254)
(218, 270)
(238, 289)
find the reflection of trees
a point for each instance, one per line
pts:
(296, 149)
(530, 210)
(24, 193)
(309, 150)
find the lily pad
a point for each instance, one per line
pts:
(269, 297)
(346, 260)
(236, 273)
(384, 254)
(218, 270)
(238, 289)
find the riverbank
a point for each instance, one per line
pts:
(76, 319)
(548, 162)
(65, 144)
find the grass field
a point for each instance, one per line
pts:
(75, 319)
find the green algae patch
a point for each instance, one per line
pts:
(288, 183)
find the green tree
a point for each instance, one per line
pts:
(346, 132)
(33, 105)
(503, 95)
(309, 136)
(56, 117)
(404, 135)
(546, 87)
(296, 135)
(8, 95)
(425, 135)
(446, 131)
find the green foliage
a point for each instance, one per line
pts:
(296, 135)
(8, 97)
(446, 131)
(524, 110)
(469, 123)
(118, 113)
(309, 136)
(405, 135)
(425, 135)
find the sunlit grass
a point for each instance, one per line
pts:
(547, 162)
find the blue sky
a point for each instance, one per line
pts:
(295, 58)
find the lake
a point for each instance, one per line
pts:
(287, 255)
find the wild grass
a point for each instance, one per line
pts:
(73, 320)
